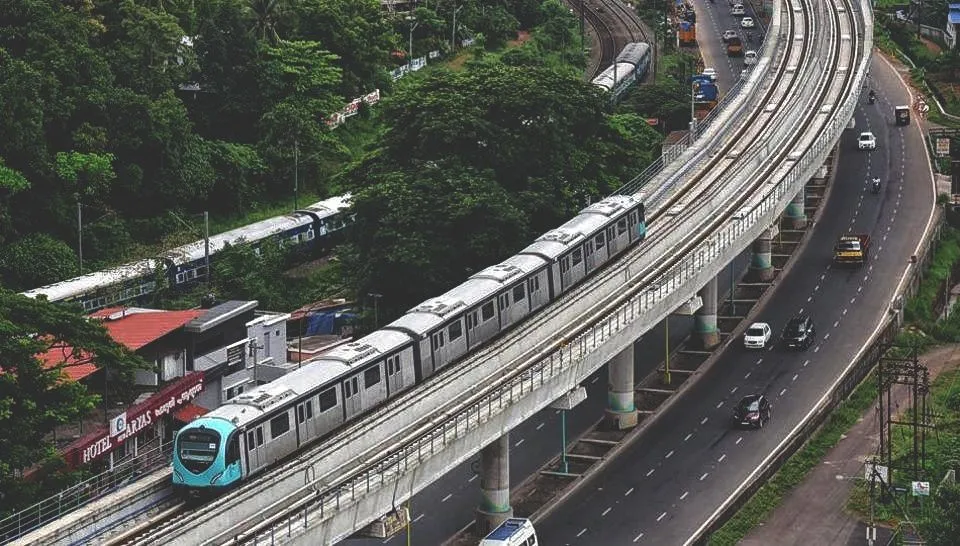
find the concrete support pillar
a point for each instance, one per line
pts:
(495, 506)
(761, 264)
(621, 411)
(705, 319)
(796, 214)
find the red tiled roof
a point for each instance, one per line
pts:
(137, 329)
(188, 412)
(75, 366)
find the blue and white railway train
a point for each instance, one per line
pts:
(630, 66)
(305, 228)
(259, 427)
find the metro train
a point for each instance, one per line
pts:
(259, 427)
(630, 66)
(306, 228)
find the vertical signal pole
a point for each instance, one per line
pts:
(206, 244)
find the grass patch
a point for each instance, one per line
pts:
(766, 499)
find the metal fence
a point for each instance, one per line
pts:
(125, 472)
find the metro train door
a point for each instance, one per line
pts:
(589, 256)
(612, 243)
(255, 458)
(352, 401)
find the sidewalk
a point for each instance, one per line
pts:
(814, 513)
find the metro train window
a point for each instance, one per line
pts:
(577, 256)
(486, 312)
(233, 450)
(455, 330)
(328, 399)
(598, 240)
(309, 235)
(301, 415)
(472, 320)
(518, 292)
(371, 377)
(279, 425)
(621, 226)
(564, 264)
(534, 284)
(309, 405)
(393, 363)
(588, 248)
(504, 301)
(437, 340)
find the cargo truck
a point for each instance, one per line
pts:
(852, 250)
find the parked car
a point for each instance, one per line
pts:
(730, 34)
(867, 141)
(747, 22)
(750, 58)
(711, 73)
(753, 410)
(757, 336)
(799, 332)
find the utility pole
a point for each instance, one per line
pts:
(376, 308)
(453, 33)
(296, 171)
(80, 232)
(413, 26)
(206, 246)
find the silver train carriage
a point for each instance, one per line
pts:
(273, 421)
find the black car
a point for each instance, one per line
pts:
(752, 411)
(799, 333)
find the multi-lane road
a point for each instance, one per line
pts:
(670, 481)
(684, 466)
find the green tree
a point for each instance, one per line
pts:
(419, 232)
(36, 260)
(89, 173)
(266, 17)
(35, 398)
(942, 526)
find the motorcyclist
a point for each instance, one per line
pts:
(872, 97)
(749, 37)
(876, 184)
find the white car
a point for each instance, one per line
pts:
(738, 10)
(747, 22)
(757, 336)
(750, 58)
(711, 73)
(867, 141)
(730, 34)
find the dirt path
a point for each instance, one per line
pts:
(814, 512)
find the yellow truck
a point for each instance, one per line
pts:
(852, 250)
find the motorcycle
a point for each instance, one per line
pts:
(871, 98)
(876, 185)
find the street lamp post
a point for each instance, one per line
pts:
(296, 172)
(413, 26)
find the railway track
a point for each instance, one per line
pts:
(615, 25)
(704, 189)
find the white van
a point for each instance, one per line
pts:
(738, 10)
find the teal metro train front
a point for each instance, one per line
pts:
(207, 456)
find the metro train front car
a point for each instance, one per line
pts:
(206, 458)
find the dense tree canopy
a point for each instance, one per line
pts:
(473, 166)
(35, 398)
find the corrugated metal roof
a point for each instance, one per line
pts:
(140, 327)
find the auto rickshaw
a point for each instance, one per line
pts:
(902, 114)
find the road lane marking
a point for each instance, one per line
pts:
(445, 499)
(418, 518)
(663, 515)
(472, 478)
(520, 442)
(719, 404)
(540, 426)
(705, 474)
(651, 471)
(733, 390)
(805, 362)
(684, 495)
(605, 512)
(638, 537)
(582, 531)
(795, 376)
(740, 439)
(669, 454)
(628, 492)
(704, 421)
(783, 391)
(687, 437)
(722, 457)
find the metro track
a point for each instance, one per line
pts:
(606, 30)
(702, 191)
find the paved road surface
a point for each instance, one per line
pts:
(669, 482)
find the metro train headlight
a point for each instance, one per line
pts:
(216, 478)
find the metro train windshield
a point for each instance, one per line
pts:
(197, 449)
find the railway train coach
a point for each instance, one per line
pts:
(630, 66)
(316, 225)
(268, 423)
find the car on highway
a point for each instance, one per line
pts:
(866, 141)
(757, 336)
(711, 73)
(747, 22)
(799, 332)
(729, 34)
(753, 410)
(738, 10)
(750, 58)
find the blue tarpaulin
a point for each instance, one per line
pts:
(327, 323)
